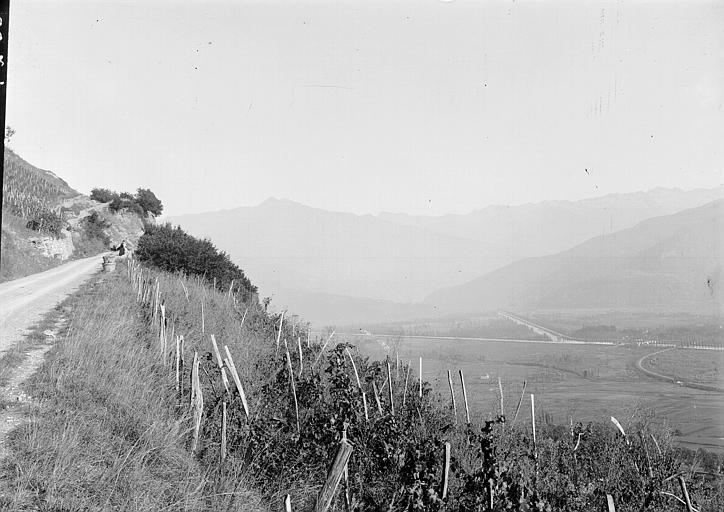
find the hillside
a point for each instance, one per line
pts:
(336, 267)
(672, 262)
(28, 190)
(46, 222)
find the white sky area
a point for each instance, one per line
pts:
(422, 107)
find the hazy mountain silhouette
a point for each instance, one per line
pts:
(672, 262)
(307, 258)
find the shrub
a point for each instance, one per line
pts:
(103, 195)
(148, 201)
(46, 222)
(173, 250)
(142, 203)
(95, 227)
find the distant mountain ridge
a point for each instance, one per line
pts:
(672, 262)
(293, 251)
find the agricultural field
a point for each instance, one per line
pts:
(578, 383)
(697, 366)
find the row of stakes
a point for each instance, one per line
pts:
(147, 293)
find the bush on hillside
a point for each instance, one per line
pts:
(148, 201)
(95, 227)
(142, 203)
(46, 222)
(102, 195)
(173, 250)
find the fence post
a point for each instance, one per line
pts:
(326, 494)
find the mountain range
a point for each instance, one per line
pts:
(667, 263)
(335, 267)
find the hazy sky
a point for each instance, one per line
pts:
(420, 107)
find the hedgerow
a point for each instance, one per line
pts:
(173, 250)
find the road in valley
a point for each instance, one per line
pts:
(24, 301)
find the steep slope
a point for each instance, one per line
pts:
(45, 221)
(672, 262)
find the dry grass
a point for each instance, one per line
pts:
(107, 433)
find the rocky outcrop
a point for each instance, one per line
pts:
(55, 248)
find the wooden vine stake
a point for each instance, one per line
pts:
(611, 504)
(465, 398)
(326, 494)
(223, 431)
(347, 497)
(620, 428)
(446, 471)
(407, 376)
(162, 335)
(419, 392)
(179, 368)
(197, 401)
(452, 397)
(532, 417)
(649, 469)
(389, 379)
(279, 334)
(685, 492)
(229, 362)
(323, 348)
(359, 384)
(502, 403)
(301, 355)
(291, 381)
(203, 318)
(377, 398)
(288, 504)
(517, 409)
(220, 363)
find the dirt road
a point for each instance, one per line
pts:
(23, 302)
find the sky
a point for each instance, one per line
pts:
(422, 107)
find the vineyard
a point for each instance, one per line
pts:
(319, 427)
(30, 192)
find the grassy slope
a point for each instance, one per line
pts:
(107, 434)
